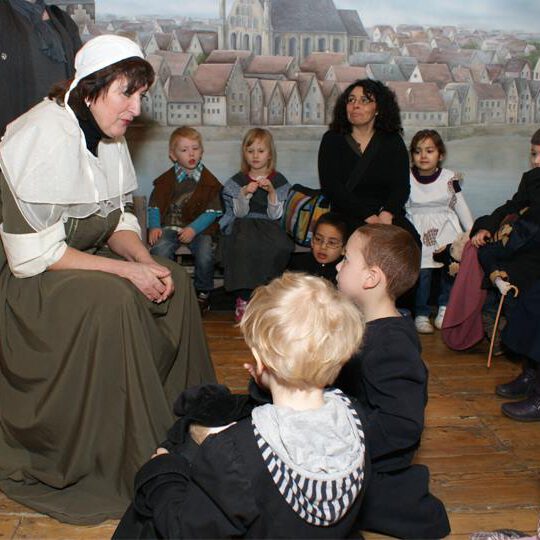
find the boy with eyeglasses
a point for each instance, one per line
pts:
(327, 243)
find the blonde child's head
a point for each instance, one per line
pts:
(185, 146)
(261, 136)
(378, 248)
(302, 329)
(427, 151)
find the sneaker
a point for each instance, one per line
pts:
(423, 326)
(521, 387)
(239, 309)
(203, 298)
(527, 410)
(438, 322)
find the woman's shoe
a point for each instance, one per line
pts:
(423, 326)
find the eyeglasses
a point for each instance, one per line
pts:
(363, 100)
(331, 243)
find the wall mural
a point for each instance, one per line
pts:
(225, 65)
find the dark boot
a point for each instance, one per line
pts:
(527, 410)
(521, 387)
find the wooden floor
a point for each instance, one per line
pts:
(485, 468)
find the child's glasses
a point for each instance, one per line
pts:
(331, 243)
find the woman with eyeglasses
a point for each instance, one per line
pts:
(363, 161)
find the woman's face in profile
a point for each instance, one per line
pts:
(361, 109)
(115, 109)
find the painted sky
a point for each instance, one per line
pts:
(488, 14)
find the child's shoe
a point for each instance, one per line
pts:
(239, 309)
(423, 326)
(203, 298)
(438, 322)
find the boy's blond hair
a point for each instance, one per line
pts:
(395, 252)
(187, 133)
(258, 134)
(302, 329)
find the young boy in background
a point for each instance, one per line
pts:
(183, 208)
(389, 379)
(327, 243)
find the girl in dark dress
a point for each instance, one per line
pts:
(256, 249)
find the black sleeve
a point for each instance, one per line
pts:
(333, 176)
(400, 178)
(517, 202)
(396, 390)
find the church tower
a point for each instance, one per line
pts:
(266, 29)
(223, 38)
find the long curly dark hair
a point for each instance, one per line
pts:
(388, 118)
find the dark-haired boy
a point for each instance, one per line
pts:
(389, 378)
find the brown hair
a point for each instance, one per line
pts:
(535, 139)
(263, 135)
(187, 133)
(424, 134)
(138, 72)
(395, 252)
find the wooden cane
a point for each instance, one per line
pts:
(495, 326)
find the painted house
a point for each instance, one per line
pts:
(225, 92)
(518, 68)
(331, 93)
(179, 63)
(384, 72)
(536, 73)
(256, 99)
(272, 67)
(525, 107)
(435, 73)
(453, 105)
(184, 102)
(346, 74)
(313, 112)
(230, 56)
(468, 101)
(320, 62)
(491, 103)
(421, 104)
(274, 103)
(535, 94)
(512, 100)
(293, 102)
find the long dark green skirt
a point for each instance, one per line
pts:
(89, 370)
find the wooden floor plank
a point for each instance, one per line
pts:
(484, 466)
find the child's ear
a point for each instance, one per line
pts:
(373, 277)
(171, 157)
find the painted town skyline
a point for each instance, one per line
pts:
(520, 15)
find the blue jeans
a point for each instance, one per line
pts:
(203, 253)
(424, 288)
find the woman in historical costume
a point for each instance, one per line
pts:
(97, 338)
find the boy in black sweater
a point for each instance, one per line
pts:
(389, 379)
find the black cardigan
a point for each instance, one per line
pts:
(384, 185)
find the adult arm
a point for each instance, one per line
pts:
(399, 175)
(31, 252)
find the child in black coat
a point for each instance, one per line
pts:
(389, 379)
(293, 468)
